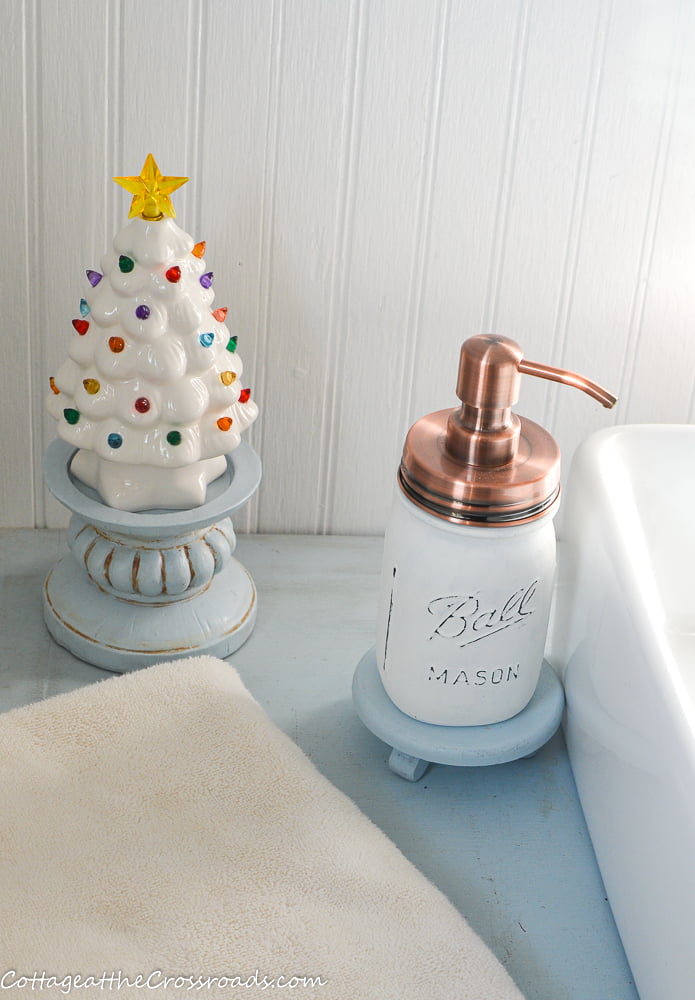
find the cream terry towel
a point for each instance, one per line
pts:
(159, 825)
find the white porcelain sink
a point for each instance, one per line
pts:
(624, 641)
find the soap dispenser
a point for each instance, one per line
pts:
(469, 552)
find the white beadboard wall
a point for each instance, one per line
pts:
(376, 180)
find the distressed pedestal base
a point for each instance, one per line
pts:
(417, 744)
(138, 588)
(95, 628)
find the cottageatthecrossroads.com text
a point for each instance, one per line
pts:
(155, 980)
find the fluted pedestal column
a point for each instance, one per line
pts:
(138, 588)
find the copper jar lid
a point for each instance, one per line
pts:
(480, 463)
(517, 491)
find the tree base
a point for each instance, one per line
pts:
(139, 487)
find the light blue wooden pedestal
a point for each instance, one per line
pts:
(416, 744)
(138, 588)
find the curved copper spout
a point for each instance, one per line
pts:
(480, 463)
(591, 388)
(484, 431)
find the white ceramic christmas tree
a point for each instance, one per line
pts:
(150, 408)
(151, 393)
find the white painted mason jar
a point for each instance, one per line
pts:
(469, 556)
(463, 615)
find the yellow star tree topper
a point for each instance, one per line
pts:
(151, 191)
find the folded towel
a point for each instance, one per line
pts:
(159, 825)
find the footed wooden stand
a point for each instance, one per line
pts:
(416, 744)
(137, 588)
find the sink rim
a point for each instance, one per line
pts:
(603, 459)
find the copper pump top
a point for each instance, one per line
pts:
(480, 463)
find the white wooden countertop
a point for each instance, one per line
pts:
(507, 844)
